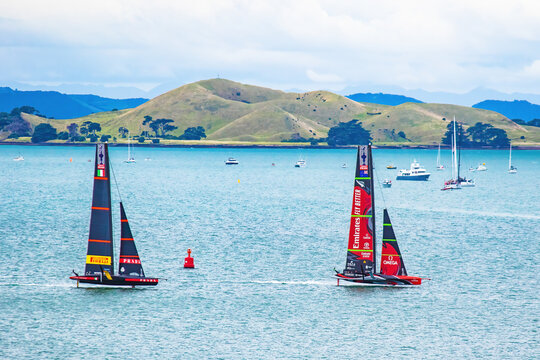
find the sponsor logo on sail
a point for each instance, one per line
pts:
(98, 260)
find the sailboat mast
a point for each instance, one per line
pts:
(510, 158)
(372, 175)
(129, 147)
(439, 156)
(454, 153)
(459, 154)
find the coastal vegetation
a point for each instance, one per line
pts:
(479, 135)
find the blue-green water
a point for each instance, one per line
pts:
(264, 249)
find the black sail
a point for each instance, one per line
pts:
(391, 260)
(99, 257)
(129, 263)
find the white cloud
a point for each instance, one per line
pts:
(414, 44)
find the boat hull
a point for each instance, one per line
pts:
(116, 280)
(413, 177)
(382, 280)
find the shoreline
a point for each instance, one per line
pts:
(266, 146)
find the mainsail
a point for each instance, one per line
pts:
(391, 261)
(129, 263)
(361, 249)
(99, 257)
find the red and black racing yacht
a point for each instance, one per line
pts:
(100, 256)
(360, 267)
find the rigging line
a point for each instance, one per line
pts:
(380, 187)
(115, 182)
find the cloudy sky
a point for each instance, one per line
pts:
(452, 46)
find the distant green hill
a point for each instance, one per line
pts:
(231, 111)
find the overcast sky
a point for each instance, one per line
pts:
(337, 45)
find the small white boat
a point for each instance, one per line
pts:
(344, 166)
(231, 161)
(387, 183)
(511, 168)
(463, 182)
(481, 167)
(415, 173)
(18, 158)
(300, 163)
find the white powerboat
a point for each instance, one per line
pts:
(18, 158)
(387, 183)
(231, 161)
(415, 173)
(481, 167)
(300, 163)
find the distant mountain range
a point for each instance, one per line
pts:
(517, 109)
(383, 99)
(62, 106)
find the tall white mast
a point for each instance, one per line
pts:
(439, 156)
(454, 153)
(510, 158)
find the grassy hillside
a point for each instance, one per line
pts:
(232, 112)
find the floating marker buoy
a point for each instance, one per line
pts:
(188, 262)
(70, 159)
(239, 181)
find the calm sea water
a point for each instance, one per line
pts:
(265, 241)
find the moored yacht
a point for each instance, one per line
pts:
(231, 161)
(416, 173)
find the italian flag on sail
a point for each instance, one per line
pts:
(101, 173)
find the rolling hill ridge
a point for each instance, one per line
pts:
(231, 111)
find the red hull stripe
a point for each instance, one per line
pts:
(126, 239)
(131, 256)
(100, 178)
(123, 220)
(101, 241)
(100, 208)
(142, 280)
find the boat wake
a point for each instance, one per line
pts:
(474, 212)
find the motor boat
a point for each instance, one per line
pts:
(387, 183)
(415, 173)
(391, 167)
(300, 163)
(18, 158)
(231, 161)
(481, 167)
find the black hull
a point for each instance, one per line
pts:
(116, 280)
(381, 280)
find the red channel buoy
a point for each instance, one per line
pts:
(188, 262)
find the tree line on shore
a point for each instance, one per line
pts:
(344, 133)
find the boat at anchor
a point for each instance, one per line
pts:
(100, 255)
(360, 267)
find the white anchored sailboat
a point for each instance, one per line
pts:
(439, 165)
(511, 168)
(453, 183)
(130, 158)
